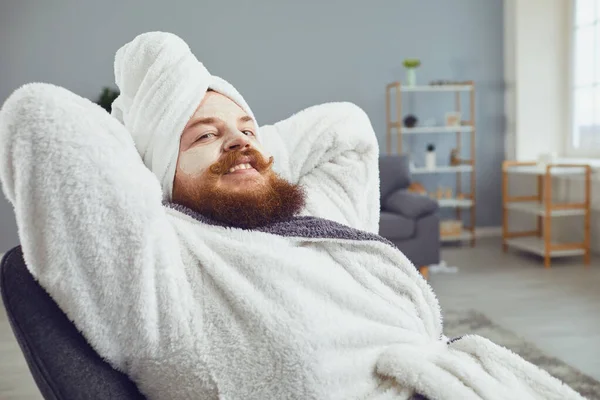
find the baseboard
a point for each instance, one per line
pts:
(488, 231)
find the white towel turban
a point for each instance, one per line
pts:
(161, 84)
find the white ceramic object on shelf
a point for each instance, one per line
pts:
(411, 77)
(430, 160)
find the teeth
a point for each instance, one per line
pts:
(240, 166)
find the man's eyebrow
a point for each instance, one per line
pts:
(213, 120)
(203, 121)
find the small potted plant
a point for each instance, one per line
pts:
(411, 65)
(106, 98)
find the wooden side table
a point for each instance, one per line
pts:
(539, 241)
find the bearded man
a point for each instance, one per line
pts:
(209, 259)
(222, 171)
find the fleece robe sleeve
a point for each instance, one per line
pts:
(92, 226)
(331, 149)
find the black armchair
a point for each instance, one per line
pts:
(63, 364)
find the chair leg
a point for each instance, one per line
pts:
(424, 271)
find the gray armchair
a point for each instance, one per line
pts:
(411, 221)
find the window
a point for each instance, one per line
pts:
(584, 138)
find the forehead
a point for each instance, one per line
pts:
(217, 105)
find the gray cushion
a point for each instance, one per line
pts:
(395, 226)
(410, 205)
(394, 173)
(63, 364)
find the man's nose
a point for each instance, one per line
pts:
(238, 141)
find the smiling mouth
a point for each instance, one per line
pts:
(244, 167)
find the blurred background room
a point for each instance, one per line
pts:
(487, 113)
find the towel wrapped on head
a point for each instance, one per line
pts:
(161, 85)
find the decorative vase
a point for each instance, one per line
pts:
(430, 159)
(410, 121)
(411, 76)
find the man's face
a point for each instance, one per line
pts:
(224, 173)
(218, 127)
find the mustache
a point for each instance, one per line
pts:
(249, 156)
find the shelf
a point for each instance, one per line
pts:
(442, 169)
(465, 235)
(462, 159)
(536, 245)
(531, 241)
(433, 129)
(437, 88)
(541, 170)
(455, 203)
(536, 208)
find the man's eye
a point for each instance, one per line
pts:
(205, 136)
(247, 132)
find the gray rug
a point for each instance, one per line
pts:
(470, 321)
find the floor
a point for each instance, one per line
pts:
(16, 382)
(556, 308)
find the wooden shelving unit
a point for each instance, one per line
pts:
(464, 201)
(541, 204)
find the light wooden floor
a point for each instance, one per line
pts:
(558, 309)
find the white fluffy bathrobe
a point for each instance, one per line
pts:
(318, 307)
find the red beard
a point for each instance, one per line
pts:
(270, 200)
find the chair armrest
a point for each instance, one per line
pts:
(409, 204)
(394, 173)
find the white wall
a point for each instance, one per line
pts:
(535, 34)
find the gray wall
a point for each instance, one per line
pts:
(281, 55)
